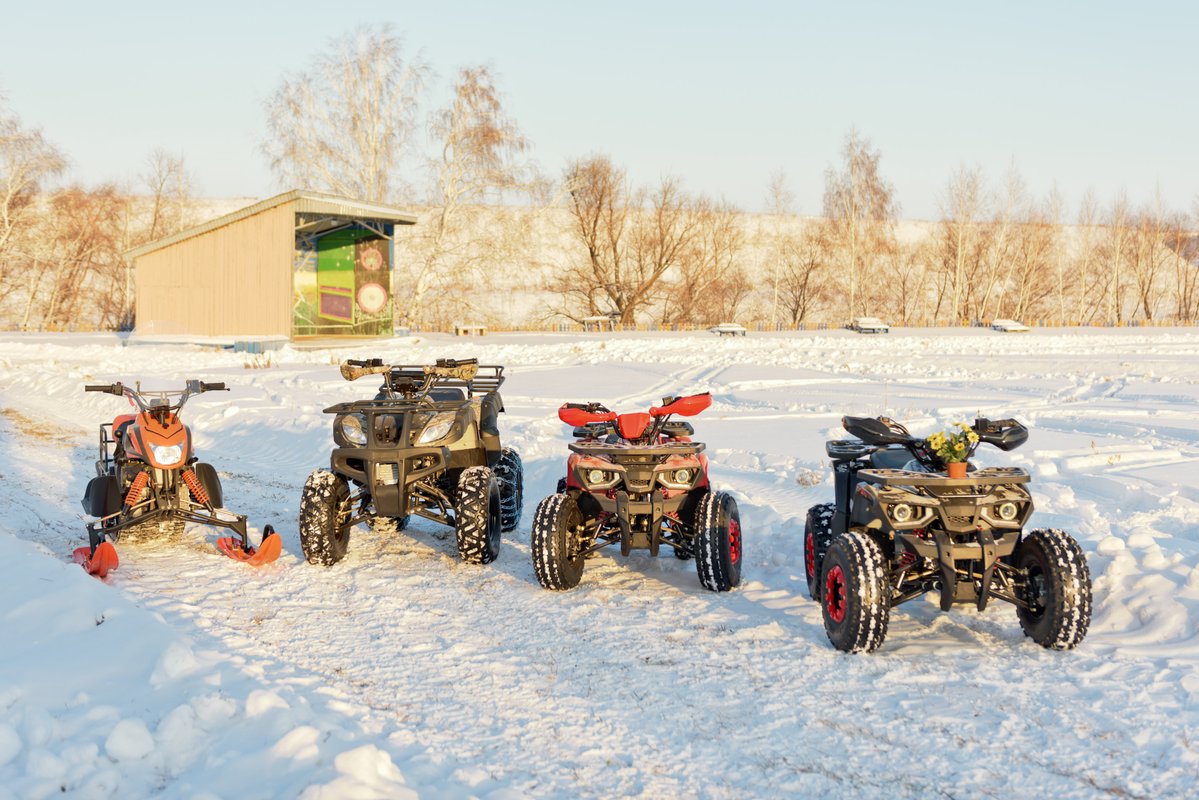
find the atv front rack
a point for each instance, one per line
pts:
(984, 477)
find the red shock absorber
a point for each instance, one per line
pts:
(195, 487)
(137, 488)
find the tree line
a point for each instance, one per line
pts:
(587, 241)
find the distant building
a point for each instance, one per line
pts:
(299, 264)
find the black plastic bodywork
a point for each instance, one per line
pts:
(954, 542)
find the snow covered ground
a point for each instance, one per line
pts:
(402, 671)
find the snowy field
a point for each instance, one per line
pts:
(402, 672)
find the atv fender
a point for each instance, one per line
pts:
(211, 483)
(489, 425)
(102, 496)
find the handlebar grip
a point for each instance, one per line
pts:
(98, 387)
(213, 387)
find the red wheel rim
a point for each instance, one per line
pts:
(809, 558)
(834, 593)
(735, 540)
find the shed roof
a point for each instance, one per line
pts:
(311, 203)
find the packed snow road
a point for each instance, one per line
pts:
(402, 667)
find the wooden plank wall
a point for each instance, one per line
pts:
(235, 280)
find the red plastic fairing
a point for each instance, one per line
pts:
(632, 426)
(684, 406)
(579, 417)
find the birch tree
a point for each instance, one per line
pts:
(860, 207)
(344, 124)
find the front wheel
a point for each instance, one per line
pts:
(817, 536)
(478, 516)
(324, 511)
(557, 561)
(718, 551)
(1057, 589)
(855, 593)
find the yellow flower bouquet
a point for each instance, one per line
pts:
(953, 446)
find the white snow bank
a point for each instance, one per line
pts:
(102, 699)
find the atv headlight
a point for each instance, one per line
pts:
(599, 478)
(901, 512)
(678, 478)
(167, 455)
(1007, 511)
(353, 428)
(438, 427)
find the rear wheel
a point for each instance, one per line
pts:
(324, 511)
(855, 593)
(510, 473)
(477, 512)
(1057, 589)
(817, 536)
(555, 542)
(718, 550)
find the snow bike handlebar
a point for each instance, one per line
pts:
(138, 397)
(648, 427)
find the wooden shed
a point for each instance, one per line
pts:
(299, 264)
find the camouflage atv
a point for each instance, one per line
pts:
(428, 444)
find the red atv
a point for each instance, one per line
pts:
(636, 480)
(151, 480)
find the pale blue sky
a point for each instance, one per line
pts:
(1096, 94)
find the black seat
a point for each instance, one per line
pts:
(890, 458)
(446, 393)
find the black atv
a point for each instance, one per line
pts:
(901, 528)
(427, 444)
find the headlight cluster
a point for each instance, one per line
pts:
(901, 512)
(167, 455)
(599, 478)
(438, 428)
(353, 428)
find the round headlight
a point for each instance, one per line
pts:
(902, 512)
(167, 456)
(353, 428)
(597, 476)
(682, 476)
(1007, 511)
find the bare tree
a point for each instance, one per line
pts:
(27, 163)
(479, 161)
(780, 203)
(962, 206)
(861, 209)
(342, 126)
(805, 264)
(708, 286)
(169, 186)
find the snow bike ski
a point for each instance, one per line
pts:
(427, 444)
(900, 528)
(638, 481)
(148, 478)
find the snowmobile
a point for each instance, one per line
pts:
(148, 478)
(427, 444)
(639, 481)
(901, 528)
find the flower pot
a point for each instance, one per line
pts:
(956, 469)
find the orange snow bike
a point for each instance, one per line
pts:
(148, 478)
(639, 481)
